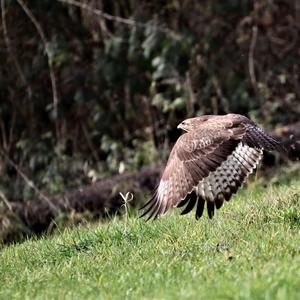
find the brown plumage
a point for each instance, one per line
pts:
(208, 163)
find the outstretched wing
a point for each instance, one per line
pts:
(221, 184)
(192, 158)
(258, 138)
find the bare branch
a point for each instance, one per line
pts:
(89, 142)
(5, 200)
(7, 141)
(11, 130)
(29, 182)
(48, 53)
(251, 57)
(11, 52)
(220, 94)
(117, 19)
(191, 99)
(3, 135)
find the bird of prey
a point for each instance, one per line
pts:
(208, 163)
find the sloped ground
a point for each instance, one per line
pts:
(250, 250)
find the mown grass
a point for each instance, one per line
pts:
(250, 250)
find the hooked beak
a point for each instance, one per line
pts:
(182, 126)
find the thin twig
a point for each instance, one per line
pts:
(11, 52)
(151, 120)
(191, 100)
(11, 130)
(29, 182)
(220, 94)
(89, 142)
(251, 57)
(48, 53)
(7, 141)
(3, 134)
(5, 200)
(128, 22)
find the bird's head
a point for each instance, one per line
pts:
(192, 123)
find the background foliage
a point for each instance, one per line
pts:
(92, 88)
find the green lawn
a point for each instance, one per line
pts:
(250, 250)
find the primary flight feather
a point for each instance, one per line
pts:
(208, 163)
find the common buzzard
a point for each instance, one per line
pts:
(208, 163)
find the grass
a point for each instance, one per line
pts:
(250, 250)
